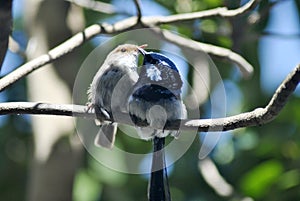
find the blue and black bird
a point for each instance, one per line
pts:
(155, 101)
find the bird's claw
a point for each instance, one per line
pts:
(89, 107)
(102, 114)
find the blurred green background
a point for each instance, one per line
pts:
(46, 161)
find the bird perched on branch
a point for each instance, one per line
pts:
(156, 99)
(110, 89)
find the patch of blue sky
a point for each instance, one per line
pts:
(153, 8)
(280, 53)
(230, 104)
(128, 7)
(18, 8)
(234, 98)
(11, 61)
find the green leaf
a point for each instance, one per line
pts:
(86, 188)
(258, 181)
(209, 26)
(289, 179)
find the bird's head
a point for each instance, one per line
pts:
(157, 58)
(159, 69)
(125, 55)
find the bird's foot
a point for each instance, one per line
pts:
(89, 107)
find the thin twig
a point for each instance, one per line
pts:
(157, 20)
(221, 52)
(256, 117)
(216, 12)
(121, 26)
(63, 49)
(138, 9)
(52, 55)
(95, 6)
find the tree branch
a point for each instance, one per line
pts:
(220, 12)
(52, 55)
(220, 52)
(95, 6)
(256, 117)
(157, 20)
(65, 48)
(138, 9)
(124, 25)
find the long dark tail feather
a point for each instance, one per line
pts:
(159, 186)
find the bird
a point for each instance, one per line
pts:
(109, 91)
(156, 100)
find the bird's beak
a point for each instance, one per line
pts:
(141, 49)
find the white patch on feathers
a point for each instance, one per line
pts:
(153, 73)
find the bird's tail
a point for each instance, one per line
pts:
(106, 135)
(159, 185)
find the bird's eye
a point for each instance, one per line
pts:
(123, 49)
